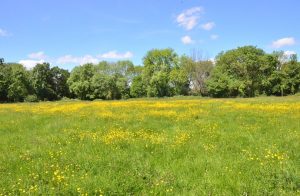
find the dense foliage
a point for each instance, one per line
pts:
(243, 72)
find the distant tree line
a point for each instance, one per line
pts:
(243, 72)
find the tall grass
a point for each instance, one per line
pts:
(182, 146)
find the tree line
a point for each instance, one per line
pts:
(242, 72)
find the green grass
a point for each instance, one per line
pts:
(174, 146)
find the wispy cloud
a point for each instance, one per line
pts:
(37, 55)
(287, 41)
(34, 58)
(208, 26)
(70, 59)
(115, 55)
(214, 37)
(3, 33)
(41, 57)
(187, 40)
(77, 60)
(29, 63)
(189, 18)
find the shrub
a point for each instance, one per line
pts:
(65, 99)
(31, 98)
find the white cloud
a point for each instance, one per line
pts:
(289, 53)
(37, 55)
(29, 63)
(208, 26)
(40, 57)
(88, 59)
(67, 59)
(287, 41)
(188, 19)
(115, 55)
(34, 58)
(187, 40)
(77, 60)
(214, 37)
(3, 33)
(92, 59)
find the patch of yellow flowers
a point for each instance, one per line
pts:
(175, 109)
(120, 135)
(268, 156)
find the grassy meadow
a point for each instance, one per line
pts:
(172, 146)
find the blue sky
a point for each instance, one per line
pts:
(67, 33)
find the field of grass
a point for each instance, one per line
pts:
(176, 146)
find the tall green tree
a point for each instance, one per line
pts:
(119, 75)
(179, 78)
(80, 81)
(157, 67)
(5, 79)
(19, 86)
(41, 79)
(245, 68)
(159, 85)
(59, 82)
(198, 72)
(123, 78)
(102, 86)
(292, 71)
(138, 88)
(285, 79)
